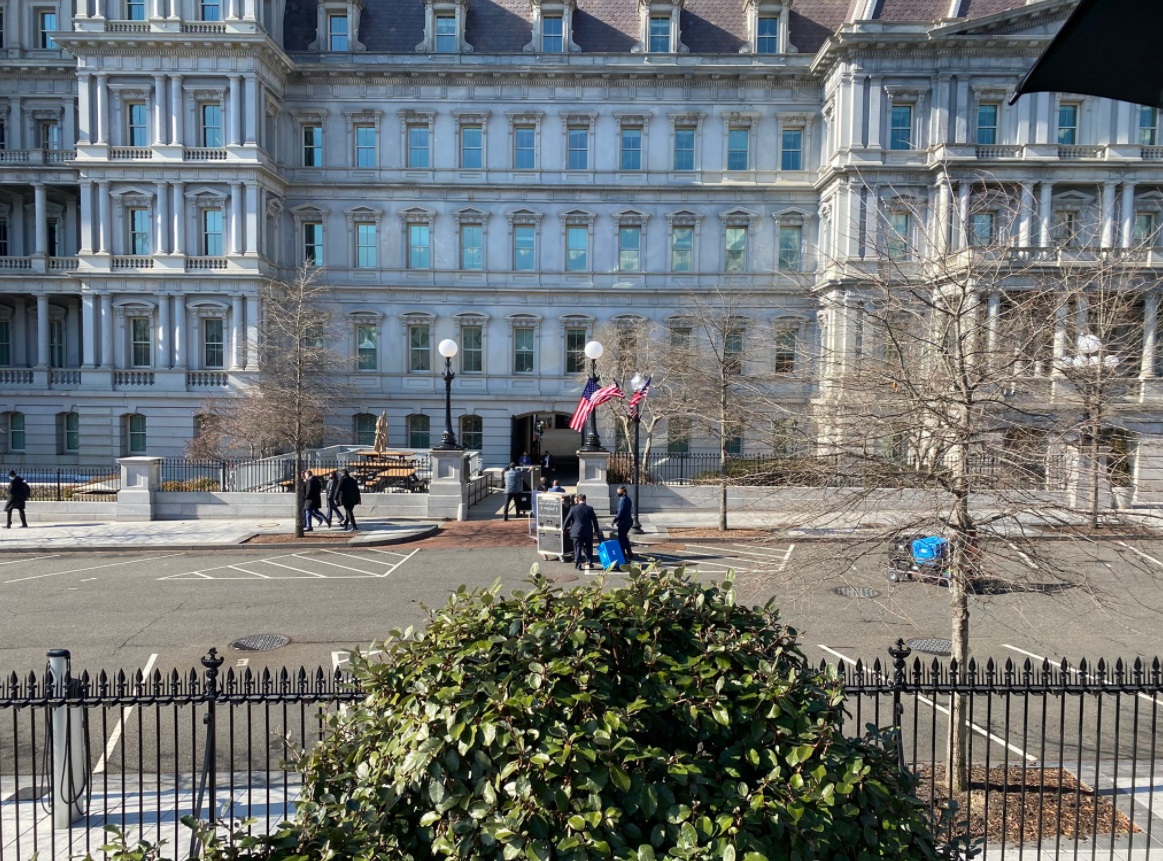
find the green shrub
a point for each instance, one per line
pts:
(654, 720)
(193, 484)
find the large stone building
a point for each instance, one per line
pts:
(512, 174)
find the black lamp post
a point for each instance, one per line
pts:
(636, 416)
(593, 352)
(447, 349)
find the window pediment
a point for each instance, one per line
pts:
(364, 317)
(577, 217)
(579, 118)
(738, 217)
(310, 118)
(630, 218)
(307, 212)
(683, 218)
(364, 214)
(687, 118)
(524, 118)
(417, 215)
(469, 216)
(524, 216)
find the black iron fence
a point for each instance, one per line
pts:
(1059, 758)
(399, 472)
(73, 483)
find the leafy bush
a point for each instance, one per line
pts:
(655, 720)
(204, 482)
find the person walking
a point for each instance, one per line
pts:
(312, 500)
(582, 523)
(331, 495)
(514, 484)
(18, 493)
(623, 520)
(349, 498)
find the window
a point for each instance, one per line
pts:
(139, 238)
(524, 148)
(471, 147)
(901, 127)
(631, 149)
(575, 344)
(472, 349)
(53, 229)
(135, 436)
(211, 232)
(56, 343)
(366, 242)
(3, 237)
(660, 34)
(365, 146)
(138, 119)
(786, 338)
(790, 239)
(1148, 125)
(579, 149)
(791, 156)
(737, 140)
(678, 435)
(49, 134)
(1067, 124)
(337, 33)
(367, 347)
(552, 38)
(5, 343)
(523, 350)
(736, 250)
(472, 432)
(312, 146)
(629, 249)
(446, 33)
(733, 444)
(70, 433)
(313, 243)
(684, 148)
(472, 252)
(733, 350)
(987, 123)
(784, 437)
(1066, 228)
(898, 238)
(419, 348)
(767, 35)
(141, 342)
(3, 125)
(16, 436)
(680, 337)
(577, 242)
(213, 343)
(212, 125)
(682, 249)
(418, 146)
(981, 229)
(211, 10)
(419, 431)
(524, 247)
(135, 10)
(365, 429)
(1143, 233)
(47, 22)
(419, 246)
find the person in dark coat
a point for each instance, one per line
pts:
(514, 487)
(18, 493)
(331, 496)
(312, 500)
(623, 520)
(582, 524)
(349, 498)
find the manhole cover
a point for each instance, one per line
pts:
(941, 648)
(260, 642)
(856, 591)
(268, 525)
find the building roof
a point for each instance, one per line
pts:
(611, 26)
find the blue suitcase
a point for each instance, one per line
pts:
(610, 554)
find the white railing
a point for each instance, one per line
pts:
(1151, 153)
(58, 377)
(133, 378)
(59, 156)
(127, 27)
(14, 155)
(133, 263)
(128, 153)
(205, 263)
(206, 379)
(203, 27)
(205, 154)
(62, 264)
(15, 263)
(998, 151)
(1070, 152)
(15, 376)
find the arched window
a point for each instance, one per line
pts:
(135, 436)
(419, 434)
(472, 432)
(365, 429)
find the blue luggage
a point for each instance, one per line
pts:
(929, 550)
(610, 554)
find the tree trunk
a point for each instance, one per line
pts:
(723, 404)
(1094, 470)
(297, 489)
(962, 563)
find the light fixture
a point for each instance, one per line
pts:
(594, 351)
(636, 382)
(447, 348)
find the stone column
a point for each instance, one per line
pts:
(963, 190)
(251, 214)
(1150, 329)
(164, 332)
(1045, 214)
(141, 478)
(993, 316)
(40, 209)
(88, 331)
(106, 331)
(103, 225)
(252, 106)
(158, 113)
(237, 333)
(160, 212)
(874, 112)
(177, 106)
(1127, 234)
(42, 331)
(252, 310)
(180, 332)
(179, 218)
(236, 218)
(1059, 340)
(1107, 215)
(448, 489)
(941, 216)
(84, 119)
(236, 112)
(1026, 218)
(102, 108)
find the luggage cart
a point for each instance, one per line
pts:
(551, 539)
(919, 557)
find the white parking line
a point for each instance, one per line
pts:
(302, 563)
(982, 731)
(786, 557)
(734, 550)
(1139, 552)
(115, 736)
(1146, 697)
(94, 568)
(293, 568)
(29, 559)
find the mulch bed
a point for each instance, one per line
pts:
(1023, 807)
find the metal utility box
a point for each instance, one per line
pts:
(551, 540)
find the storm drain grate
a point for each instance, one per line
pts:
(856, 592)
(930, 646)
(260, 642)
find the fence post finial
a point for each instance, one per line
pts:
(898, 653)
(212, 662)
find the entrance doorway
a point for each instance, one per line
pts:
(541, 433)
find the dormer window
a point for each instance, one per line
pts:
(660, 27)
(337, 26)
(767, 35)
(552, 27)
(337, 32)
(444, 27)
(659, 34)
(767, 27)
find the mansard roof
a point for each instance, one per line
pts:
(611, 26)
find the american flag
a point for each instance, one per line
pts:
(592, 397)
(638, 397)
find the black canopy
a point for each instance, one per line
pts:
(1109, 48)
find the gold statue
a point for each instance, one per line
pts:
(381, 441)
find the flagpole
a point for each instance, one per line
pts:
(637, 383)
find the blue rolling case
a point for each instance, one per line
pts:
(610, 554)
